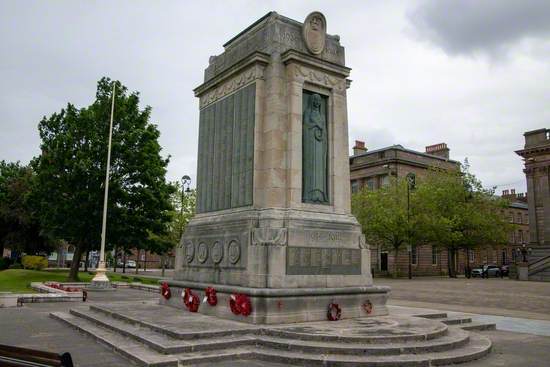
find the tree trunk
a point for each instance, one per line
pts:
(137, 260)
(1, 248)
(75, 265)
(87, 259)
(162, 265)
(124, 262)
(395, 254)
(145, 261)
(452, 273)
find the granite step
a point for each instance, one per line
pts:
(455, 338)
(439, 332)
(160, 341)
(127, 347)
(434, 315)
(478, 347)
(478, 326)
(169, 330)
(456, 320)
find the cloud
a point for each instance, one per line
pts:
(470, 27)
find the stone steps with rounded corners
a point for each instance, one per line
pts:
(171, 332)
(478, 326)
(457, 320)
(158, 341)
(455, 338)
(371, 339)
(478, 347)
(127, 347)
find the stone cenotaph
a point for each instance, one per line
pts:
(273, 226)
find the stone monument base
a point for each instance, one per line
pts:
(285, 305)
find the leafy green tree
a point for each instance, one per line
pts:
(71, 173)
(388, 218)
(19, 225)
(184, 208)
(460, 214)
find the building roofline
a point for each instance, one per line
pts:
(403, 149)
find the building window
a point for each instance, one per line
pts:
(504, 257)
(370, 183)
(354, 186)
(520, 236)
(434, 255)
(414, 254)
(382, 155)
(511, 217)
(513, 256)
(384, 180)
(472, 256)
(512, 237)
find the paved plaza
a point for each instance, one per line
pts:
(494, 296)
(31, 326)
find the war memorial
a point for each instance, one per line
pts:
(273, 266)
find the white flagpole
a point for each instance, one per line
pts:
(101, 276)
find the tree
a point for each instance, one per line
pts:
(460, 214)
(384, 217)
(184, 208)
(71, 173)
(19, 226)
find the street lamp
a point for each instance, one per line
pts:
(524, 251)
(185, 181)
(411, 184)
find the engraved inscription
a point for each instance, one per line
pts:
(323, 261)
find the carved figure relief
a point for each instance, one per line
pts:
(314, 149)
(314, 32)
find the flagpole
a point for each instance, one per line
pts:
(101, 280)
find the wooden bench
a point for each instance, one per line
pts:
(18, 357)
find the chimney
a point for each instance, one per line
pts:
(513, 192)
(359, 147)
(439, 150)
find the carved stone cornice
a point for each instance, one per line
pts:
(318, 77)
(269, 237)
(293, 56)
(241, 74)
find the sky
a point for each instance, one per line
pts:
(474, 74)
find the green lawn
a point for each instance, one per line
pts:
(19, 280)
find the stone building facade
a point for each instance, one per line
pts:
(536, 154)
(373, 169)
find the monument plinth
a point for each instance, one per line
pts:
(273, 215)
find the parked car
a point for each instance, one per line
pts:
(491, 271)
(130, 264)
(505, 270)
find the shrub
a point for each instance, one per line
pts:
(136, 279)
(4, 263)
(34, 262)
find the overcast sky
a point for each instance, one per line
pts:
(473, 74)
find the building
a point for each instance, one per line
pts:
(536, 155)
(373, 169)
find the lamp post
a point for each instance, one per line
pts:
(185, 181)
(100, 280)
(411, 183)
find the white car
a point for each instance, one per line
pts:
(130, 264)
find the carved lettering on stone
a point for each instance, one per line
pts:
(231, 85)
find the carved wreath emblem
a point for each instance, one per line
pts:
(234, 252)
(202, 252)
(217, 252)
(189, 251)
(314, 32)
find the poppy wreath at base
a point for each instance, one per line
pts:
(240, 304)
(191, 300)
(334, 312)
(210, 296)
(165, 291)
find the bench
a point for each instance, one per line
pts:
(18, 357)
